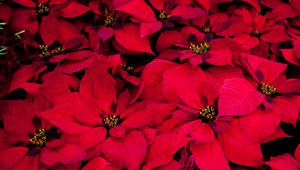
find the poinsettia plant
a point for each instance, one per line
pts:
(157, 84)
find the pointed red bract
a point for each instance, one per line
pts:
(131, 33)
(238, 97)
(128, 152)
(163, 149)
(209, 156)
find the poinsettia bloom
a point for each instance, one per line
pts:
(107, 16)
(239, 96)
(43, 16)
(104, 121)
(129, 72)
(199, 47)
(212, 24)
(71, 51)
(29, 141)
(198, 117)
(251, 30)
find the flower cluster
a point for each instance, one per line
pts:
(157, 84)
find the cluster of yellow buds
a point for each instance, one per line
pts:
(45, 53)
(199, 47)
(206, 29)
(163, 15)
(109, 20)
(268, 89)
(127, 68)
(39, 138)
(111, 121)
(208, 113)
(42, 9)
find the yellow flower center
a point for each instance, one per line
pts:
(208, 113)
(109, 20)
(39, 138)
(111, 121)
(268, 89)
(163, 15)
(206, 29)
(42, 9)
(46, 53)
(198, 48)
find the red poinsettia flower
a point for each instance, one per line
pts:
(252, 30)
(71, 51)
(198, 117)
(201, 48)
(103, 121)
(29, 141)
(239, 96)
(44, 16)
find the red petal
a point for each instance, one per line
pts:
(92, 138)
(219, 57)
(105, 33)
(77, 55)
(238, 150)
(118, 132)
(160, 111)
(65, 154)
(284, 161)
(48, 29)
(254, 3)
(152, 78)
(55, 89)
(62, 117)
(19, 119)
(289, 55)
(270, 70)
(138, 9)
(259, 124)
(285, 106)
(150, 28)
(209, 156)
(128, 152)
(11, 156)
(26, 3)
(276, 35)
(157, 4)
(238, 97)
(73, 10)
(128, 37)
(282, 11)
(187, 80)
(98, 88)
(69, 67)
(98, 163)
(205, 3)
(187, 12)
(137, 119)
(169, 38)
(163, 149)
(297, 153)
(21, 76)
(290, 86)
(246, 42)
(202, 133)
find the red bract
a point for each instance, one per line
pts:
(239, 96)
(46, 13)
